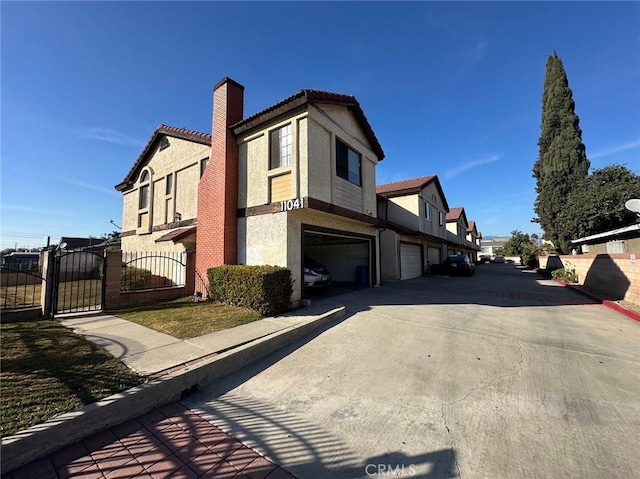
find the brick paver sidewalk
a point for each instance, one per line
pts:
(171, 441)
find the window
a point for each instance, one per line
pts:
(169, 188)
(427, 211)
(164, 143)
(347, 163)
(203, 166)
(441, 218)
(143, 199)
(280, 147)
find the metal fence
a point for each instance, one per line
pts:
(152, 270)
(21, 286)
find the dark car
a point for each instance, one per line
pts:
(459, 265)
(315, 273)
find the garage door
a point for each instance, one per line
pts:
(410, 261)
(433, 255)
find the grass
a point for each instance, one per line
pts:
(48, 370)
(184, 319)
(72, 295)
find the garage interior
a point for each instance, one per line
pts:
(344, 254)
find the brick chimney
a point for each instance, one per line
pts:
(216, 235)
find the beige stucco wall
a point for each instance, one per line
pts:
(313, 170)
(276, 239)
(431, 195)
(182, 158)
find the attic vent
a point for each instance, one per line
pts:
(164, 143)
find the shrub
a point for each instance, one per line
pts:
(132, 278)
(566, 275)
(266, 289)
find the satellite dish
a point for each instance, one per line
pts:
(633, 205)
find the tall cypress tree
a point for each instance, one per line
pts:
(562, 161)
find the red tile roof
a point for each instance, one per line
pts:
(472, 226)
(312, 96)
(178, 234)
(182, 133)
(454, 213)
(409, 187)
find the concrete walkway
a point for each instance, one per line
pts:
(144, 432)
(153, 354)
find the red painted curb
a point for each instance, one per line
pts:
(621, 309)
(605, 302)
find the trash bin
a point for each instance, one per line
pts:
(362, 276)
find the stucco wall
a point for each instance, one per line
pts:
(403, 211)
(611, 276)
(182, 158)
(432, 195)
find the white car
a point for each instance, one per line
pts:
(315, 274)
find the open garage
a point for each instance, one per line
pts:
(347, 256)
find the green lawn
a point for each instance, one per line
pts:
(48, 370)
(183, 318)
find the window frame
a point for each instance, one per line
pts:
(427, 211)
(276, 147)
(343, 165)
(441, 218)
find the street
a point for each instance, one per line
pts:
(501, 375)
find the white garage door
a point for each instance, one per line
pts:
(433, 256)
(410, 261)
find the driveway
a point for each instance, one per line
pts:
(501, 375)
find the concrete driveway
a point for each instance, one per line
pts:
(501, 375)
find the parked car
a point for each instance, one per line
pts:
(485, 258)
(315, 273)
(459, 265)
(499, 259)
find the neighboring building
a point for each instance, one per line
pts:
(413, 213)
(461, 241)
(491, 245)
(620, 240)
(292, 183)
(473, 242)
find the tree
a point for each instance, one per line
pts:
(562, 161)
(516, 245)
(597, 203)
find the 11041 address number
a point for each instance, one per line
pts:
(290, 205)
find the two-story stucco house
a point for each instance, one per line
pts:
(463, 241)
(292, 182)
(413, 212)
(289, 185)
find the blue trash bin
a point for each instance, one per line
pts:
(362, 276)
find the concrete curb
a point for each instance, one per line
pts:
(66, 429)
(605, 302)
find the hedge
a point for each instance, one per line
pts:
(266, 289)
(132, 278)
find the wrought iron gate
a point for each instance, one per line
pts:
(78, 282)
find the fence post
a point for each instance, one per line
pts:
(112, 272)
(190, 273)
(48, 283)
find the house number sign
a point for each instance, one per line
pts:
(289, 205)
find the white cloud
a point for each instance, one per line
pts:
(615, 149)
(88, 186)
(469, 165)
(110, 136)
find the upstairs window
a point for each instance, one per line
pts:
(169, 187)
(441, 218)
(427, 211)
(143, 199)
(348, 163)
(280, 147)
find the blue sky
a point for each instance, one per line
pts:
(452, 89)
